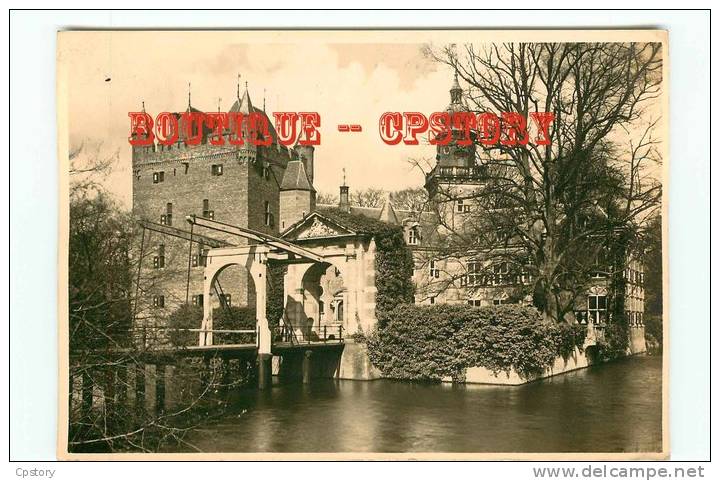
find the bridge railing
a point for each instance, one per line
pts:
(310, 334)
(158, 336)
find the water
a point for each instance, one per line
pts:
(614, 407)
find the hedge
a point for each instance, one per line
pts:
(429, 343)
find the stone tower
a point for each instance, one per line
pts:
(456, 175)
(297, 194)
(238, 185)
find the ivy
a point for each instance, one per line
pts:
(429, 343)
(393, 258)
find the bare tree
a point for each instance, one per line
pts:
(414, 199)
(108, 370)
(326, 198)
(551, 212)
(370, 197)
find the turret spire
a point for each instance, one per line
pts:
(188, 94)
(455, 90)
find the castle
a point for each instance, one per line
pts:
(269, 189)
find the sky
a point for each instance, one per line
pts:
(344, 82)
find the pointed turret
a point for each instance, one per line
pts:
(244, 104)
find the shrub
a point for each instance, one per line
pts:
(190, 317)
(235, 317)
(654, 333)
(616, 341)
(568, 337)
(435, 342)
(184, 317)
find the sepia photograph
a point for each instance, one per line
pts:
(363, 244)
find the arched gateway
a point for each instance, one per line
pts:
(329, 281)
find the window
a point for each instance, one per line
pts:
(434, 269)
(158, 177)
(497, 302)
(217, 169)
(461, 206)
(158, 301)
(268, 215)
(166, 218)
(500, 273)
(266, 170)
(525, 277)
(475, 302)
(159, 260)
(474, 274)
(207, 213)
(432, 300)
(413, 236)
(197, 300)
(321, 310)
(200, 259)
(597, 309)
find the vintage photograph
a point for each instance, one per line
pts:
(375, 244)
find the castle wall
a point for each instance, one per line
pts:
(236, 197)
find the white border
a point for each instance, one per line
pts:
(34, 192)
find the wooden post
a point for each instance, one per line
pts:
(122, 381)
(140, 389)
(307, 367)
(159, 389)
(109, 392)
(264, 371)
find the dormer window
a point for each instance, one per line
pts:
(413, 236)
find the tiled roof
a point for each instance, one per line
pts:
(295, 177)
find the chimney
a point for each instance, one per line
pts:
(344, 197)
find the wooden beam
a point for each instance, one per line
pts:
(182, 234)
(261, 237)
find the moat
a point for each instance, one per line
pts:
(615, 407)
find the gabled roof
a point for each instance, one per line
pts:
(387, 213)
(322, 225)
(295, 177)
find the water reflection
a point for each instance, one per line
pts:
(611, 408)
